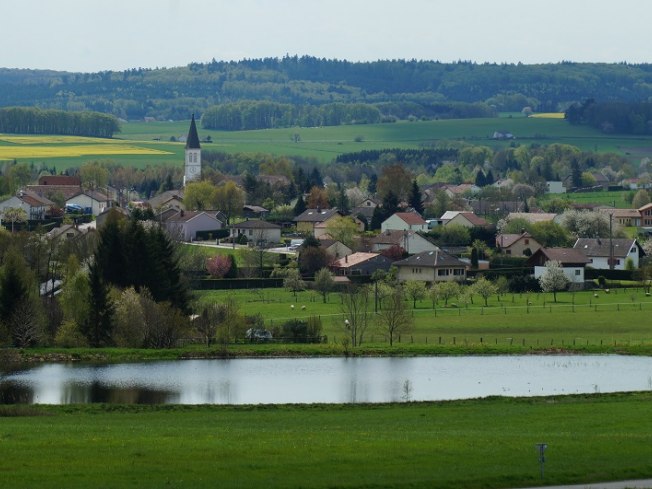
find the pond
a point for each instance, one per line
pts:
(325, 380)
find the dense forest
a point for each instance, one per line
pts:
(32, 120)
(395, 87)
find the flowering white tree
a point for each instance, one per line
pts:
(553, 279)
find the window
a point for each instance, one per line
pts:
(458, 271)
(442, 272)
(526, 241)
(508, 252)
(577, 273)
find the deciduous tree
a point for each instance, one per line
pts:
(553, 278)
(394, 318)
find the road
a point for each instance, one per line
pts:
(633, 484)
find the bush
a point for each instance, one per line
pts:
(70, 336)
(300, 331)
(523, 283)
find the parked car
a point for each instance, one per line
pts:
(254, 334)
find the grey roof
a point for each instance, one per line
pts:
(254, 208)
(165, 197)
(192, 141)
(565, 256)
(315, 215)
(601, 246)
(434, 259)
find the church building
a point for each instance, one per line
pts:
(192, 169)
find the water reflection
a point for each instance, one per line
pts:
(324, 380)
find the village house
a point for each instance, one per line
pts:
(36, 207)
(646, 216)
(254, 212)
(261, 233)
(102, 217)
(600, 251)
(92, 201)
(623, 217)
(573, 262)
(186, 224)
(462, 218)
(555, 187)
(170, 199)
(334, 248)
(404, 221)
(431, 266)
(308, 219)
(517, 244)
(410, 241)
(360, 264)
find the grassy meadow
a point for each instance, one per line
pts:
(488, 443)
(148, 143)
(512, 322)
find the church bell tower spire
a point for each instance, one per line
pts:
(192, 168)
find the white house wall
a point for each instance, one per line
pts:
(574, 274)
(87, 202)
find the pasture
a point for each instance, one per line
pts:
(532, 321)
(488, 443)
(150, 143)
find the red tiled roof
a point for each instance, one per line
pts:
(354, 259)
(411, 218)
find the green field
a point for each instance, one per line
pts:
(323, 143)
(617, 319)
(466, 444)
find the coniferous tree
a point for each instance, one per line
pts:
(373, 184)
(300, 206)
(416, 200)
(390, 204)
(98, 328)
(480, 179)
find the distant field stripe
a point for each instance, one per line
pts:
(549, 115)
(39, 151)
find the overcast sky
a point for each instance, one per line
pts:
(94, 35)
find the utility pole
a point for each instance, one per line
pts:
(611, 241)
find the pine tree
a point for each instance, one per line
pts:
(98, 328)
(300, 206)
(480, 179)
(415, 199)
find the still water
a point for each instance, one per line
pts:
(325, 380)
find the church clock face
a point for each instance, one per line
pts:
(192, 170)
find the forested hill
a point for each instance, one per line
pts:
(173, 93)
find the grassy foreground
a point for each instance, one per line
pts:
(465, 444)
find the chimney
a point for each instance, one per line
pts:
(346, 258)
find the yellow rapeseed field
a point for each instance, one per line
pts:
(549, 115)
(16, 147)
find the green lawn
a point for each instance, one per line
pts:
(467, 444)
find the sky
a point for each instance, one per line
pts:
(93, 35)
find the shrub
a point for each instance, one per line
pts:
(70, 336)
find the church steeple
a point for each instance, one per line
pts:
(192, 141)
(192, 169)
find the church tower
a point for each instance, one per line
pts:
(192, 169)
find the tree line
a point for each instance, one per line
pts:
(32, 120)
(613, 117)
(416, 86)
